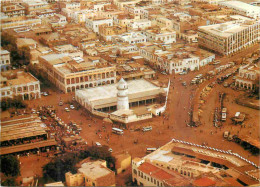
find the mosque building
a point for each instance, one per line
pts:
(124, 102)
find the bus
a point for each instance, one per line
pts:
(148, 128)
(117, 131)
(150, 150)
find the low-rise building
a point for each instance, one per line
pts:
(122, 102)
(15, 83)
(94, 24)
(248, 77)
(91, 173)
(242, 8)
(140, 24)
(73, 73)
(160, 36)
(5, 60)
(181, 163)
(13, 10)
(31, 7)
(123, 161)
(24, 134)
(133, 37)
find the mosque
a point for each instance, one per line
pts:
(124, 102)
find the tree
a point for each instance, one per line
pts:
(57, 168)
(161, 98)
(102, 153)
(10, 181)
(16, 102)
(10, 165)
(19, 56)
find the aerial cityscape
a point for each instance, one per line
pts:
(130, 93)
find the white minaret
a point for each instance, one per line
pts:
(122, 97)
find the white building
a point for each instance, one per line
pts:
(93, 24)
(133, 37)
(164, 36)
(242, 8)
(122, 102)
(229, 37)
(5, 60)
(140, 24)
(19, 84)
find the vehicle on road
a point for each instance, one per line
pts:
(164, 73)
(183, 73)
(45, 94)
(72, 107)
(150, 150)
(184, 83)
(224, 114)
(117, 131)
(98, 144)
(110, 150)
(67, 109)
(60, 103)
(226, 134)
(148, 128)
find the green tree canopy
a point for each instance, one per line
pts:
(10, 165)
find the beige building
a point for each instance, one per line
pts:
(13, 10)
(91, 173)
(15, 83)
(4, 60)
(31, 7)
(123, 161)
(248, 77)
(70, 74)
(230, 37)
(181, 163)
(74, 179)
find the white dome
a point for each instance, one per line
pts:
(122, 84)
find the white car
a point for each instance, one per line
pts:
(72, 107)
(98, 144)
(45, 94)
(110, 150)
(183, 73)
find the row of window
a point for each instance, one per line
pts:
(149, 179)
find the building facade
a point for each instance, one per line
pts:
(230, 37)
(248, 77)
(70, 74)
(5, 60)
(19, 84)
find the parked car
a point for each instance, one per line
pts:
(72, 107)
(45, 94)
(67, 109)
(60, 103)
(184, 83)
(183, 73)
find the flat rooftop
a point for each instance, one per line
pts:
(108, 93)
(225, 29)
(94, 170)
(18, 77)
(241, 5)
